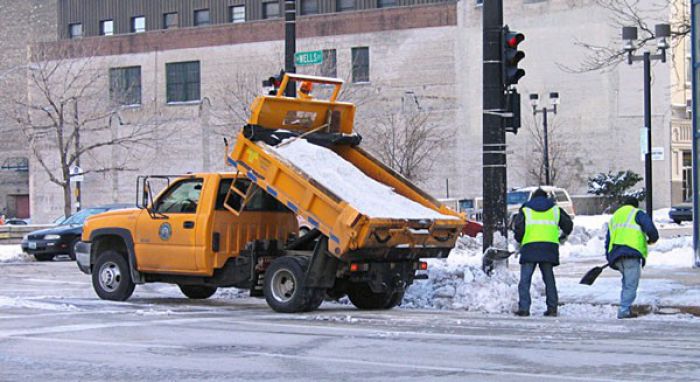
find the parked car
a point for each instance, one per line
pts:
(681, 212)
(16, 222)
(45, 244)
(517, 197)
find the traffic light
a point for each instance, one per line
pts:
(511, 56)
(512, 123)
(273, 83)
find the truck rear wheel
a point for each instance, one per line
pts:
(362, 296)
(284, 289)
(111, 277)
(197, 292)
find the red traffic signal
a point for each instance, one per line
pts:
(511, 56)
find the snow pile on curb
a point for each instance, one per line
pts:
(13, 254)
(459, 283)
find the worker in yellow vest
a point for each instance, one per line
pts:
(629, 231)
(539, 227)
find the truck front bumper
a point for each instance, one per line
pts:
(82, 257)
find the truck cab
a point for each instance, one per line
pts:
(184, 235)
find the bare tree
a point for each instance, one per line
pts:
(66, 115)
(642, 15)
(562, 163)
(406, 141)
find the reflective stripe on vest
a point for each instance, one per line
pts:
(541, 226)
(624, 230)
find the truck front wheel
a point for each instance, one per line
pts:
(111, 278)
(285, 291)
(362, 296)
(197, 292)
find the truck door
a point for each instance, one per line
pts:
(166, 241)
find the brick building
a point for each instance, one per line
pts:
(192, 65)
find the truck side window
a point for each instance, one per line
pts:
(182, 197)
(235, 199)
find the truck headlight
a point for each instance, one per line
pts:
(52, 237)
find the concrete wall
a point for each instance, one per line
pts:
(22, 23)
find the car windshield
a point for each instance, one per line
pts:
(517, 197)
(79, 217)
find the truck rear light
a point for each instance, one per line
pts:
(356, 267)
(421, 266)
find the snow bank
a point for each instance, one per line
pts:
(13, 254)
(352, 185)
(459, 283)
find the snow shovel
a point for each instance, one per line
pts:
(491, 255)
(590, 276)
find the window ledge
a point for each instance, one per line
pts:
(184, 103)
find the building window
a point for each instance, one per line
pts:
(107, 28)
(360, 65)
(345, 5)
(309, 7)
(125, 85)
(201, 17)
(138, 24)
(271, 9)
(171, 20)
(237, 14)
(329, 67)
(183, 81)
(386, 3)
(75, 30)
(479, 3)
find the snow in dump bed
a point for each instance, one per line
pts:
(368, 196)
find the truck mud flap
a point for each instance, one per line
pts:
(323, 266)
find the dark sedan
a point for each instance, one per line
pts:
(62, 239)
(680, 213)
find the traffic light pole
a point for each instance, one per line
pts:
(494, 135)
(290, 42)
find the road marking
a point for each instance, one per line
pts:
(99, 343)
(394, 366)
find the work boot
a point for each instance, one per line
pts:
(522, 313)
(626, 315)
(551, 312)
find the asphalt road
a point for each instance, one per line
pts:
(53, 327)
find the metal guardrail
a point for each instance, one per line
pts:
(12, 234)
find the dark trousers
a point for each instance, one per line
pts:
(526, 271)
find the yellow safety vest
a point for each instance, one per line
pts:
(541, 226)
(624, 230)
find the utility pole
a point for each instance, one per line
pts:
(494, 135)
(290, 43)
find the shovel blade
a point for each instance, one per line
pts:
(590, 276)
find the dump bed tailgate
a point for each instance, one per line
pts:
(350, 231)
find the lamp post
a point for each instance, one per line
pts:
(554, 101)
(629, 35)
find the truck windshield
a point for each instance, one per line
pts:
(517, 197)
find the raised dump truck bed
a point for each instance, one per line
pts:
(303, 153)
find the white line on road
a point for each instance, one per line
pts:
(394, 366)
(99, 343)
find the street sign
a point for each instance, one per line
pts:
(643, 142)
(76, 174)
(313, 57)
(657, 153)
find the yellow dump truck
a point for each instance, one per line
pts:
(297, 156)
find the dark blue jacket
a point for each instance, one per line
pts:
(619, 251)
(540, 252)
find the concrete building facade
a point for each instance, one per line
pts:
(428, 54)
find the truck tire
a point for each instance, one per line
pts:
(197, 292)
(111, 277)
(43, 257)
(284, 288)
(362, 296)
